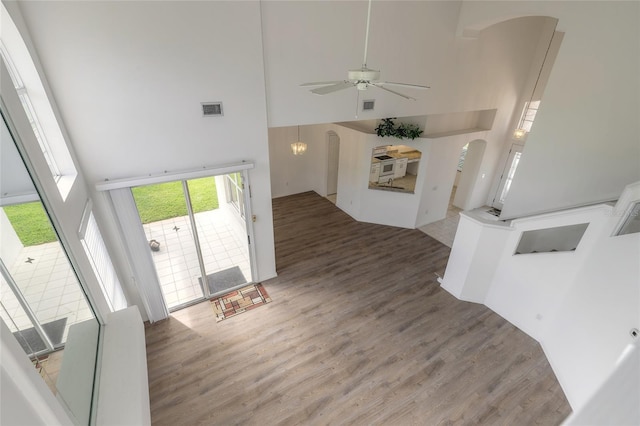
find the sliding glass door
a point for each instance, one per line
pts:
(197, 237)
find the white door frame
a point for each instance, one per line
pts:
(153, 299)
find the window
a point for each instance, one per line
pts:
(96, 251)
(30, 112)
(527, 118)
(463, 155)
(234, 186)
(631, 224)
(530, 111)
(510, 175)
(38, 106)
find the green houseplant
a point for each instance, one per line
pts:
(387, 127)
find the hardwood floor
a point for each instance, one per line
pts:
(359, 332)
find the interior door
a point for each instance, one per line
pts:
(507, 176)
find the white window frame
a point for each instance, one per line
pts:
(103, 269)
(38, 105)
(30, 112)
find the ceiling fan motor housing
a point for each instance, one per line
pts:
(364, 75)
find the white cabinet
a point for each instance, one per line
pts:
(374, 173)
(401, 168)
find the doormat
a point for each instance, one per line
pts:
(239, 301)
(223, 280)
(30, 340)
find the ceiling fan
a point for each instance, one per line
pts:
(363, 77)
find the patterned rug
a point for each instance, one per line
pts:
(40, 363)
(239, 301)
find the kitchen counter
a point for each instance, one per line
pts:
(410, 155)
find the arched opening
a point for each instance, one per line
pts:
(469, 174)
(333, 163)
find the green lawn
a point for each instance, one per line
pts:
(166, 200)
(31, 223)
(155, 202)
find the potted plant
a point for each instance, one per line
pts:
(387, 127)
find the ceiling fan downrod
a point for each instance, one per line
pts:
(366, 38)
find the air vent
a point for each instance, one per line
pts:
(368, 105)
(212, 109)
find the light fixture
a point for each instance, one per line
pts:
(523, 129)
(298, 147)
(519, 133)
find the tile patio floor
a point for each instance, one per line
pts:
(223, 243)
(52, 290)
(50, 286)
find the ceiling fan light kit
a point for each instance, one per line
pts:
(363, 77)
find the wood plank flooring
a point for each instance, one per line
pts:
(359, 333)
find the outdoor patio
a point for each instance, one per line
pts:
(44, 276)
(177, 261)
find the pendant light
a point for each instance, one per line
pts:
(298, 147)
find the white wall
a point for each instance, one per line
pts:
(470, 177)
(10, 244)
(528, 289)
(588, 117)
(616, 400)
(439, 172)
(598, 310)
(293, 174)
(354, 163)
(319, 41)
(14, 179)
(579, 305)
(129, 78)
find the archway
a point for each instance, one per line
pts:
(333, 162)
(469, 174)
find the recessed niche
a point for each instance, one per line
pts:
(551, 240)
(394, 168)
(458, 123)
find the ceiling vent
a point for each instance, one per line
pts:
(368, 105)
(212, 109)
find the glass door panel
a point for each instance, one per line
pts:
(196, 228)
(22, 324)
(222, 234)
(167, 226)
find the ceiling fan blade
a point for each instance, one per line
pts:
(393, 91)
(413, 86)
(333, 88)
(321, 83)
